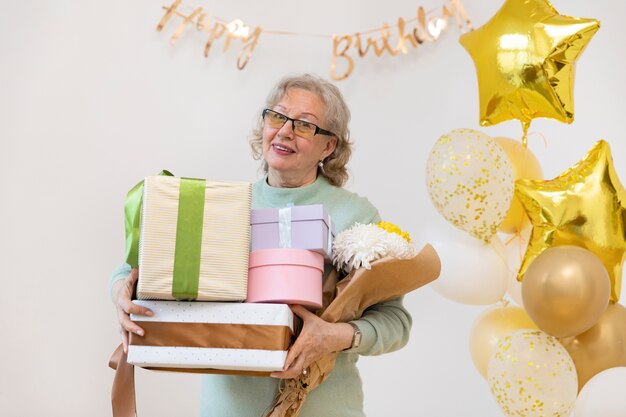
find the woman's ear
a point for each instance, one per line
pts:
(331, 145)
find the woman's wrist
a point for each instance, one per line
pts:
(344, 337)
(115, 289)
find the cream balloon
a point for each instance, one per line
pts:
(603, 395)
(472, 272)
(525, 166)
(470, 181)
(566, 290)
(530, 374)
(489, 327)
(514, 248)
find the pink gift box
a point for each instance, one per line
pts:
(286, 276)
(302, 227)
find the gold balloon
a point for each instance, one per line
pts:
(525, 166)
(489, 327)
(566, 290)
(525, 57)
(601, 347)
(584, 206)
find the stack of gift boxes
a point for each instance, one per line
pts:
(202, 251)
(288, 250)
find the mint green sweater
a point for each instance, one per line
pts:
(385, 326)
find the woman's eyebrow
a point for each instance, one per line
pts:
(283, 108)
(309, 114)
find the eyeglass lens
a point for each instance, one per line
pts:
(302, 128)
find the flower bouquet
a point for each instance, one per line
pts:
(381, 264)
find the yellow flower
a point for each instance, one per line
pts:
(392, 228)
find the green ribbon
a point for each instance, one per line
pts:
(132, 221)
(188, 233)
(188, 239)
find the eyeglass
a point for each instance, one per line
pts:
(301, 128)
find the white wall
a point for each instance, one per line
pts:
(92, 99)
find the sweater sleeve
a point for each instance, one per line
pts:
(118, 274)
(384, 327)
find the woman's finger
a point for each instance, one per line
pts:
(302, 312)
(128, 324)
(294, 351)
(296, 369)
(130, 308)
(298, 366)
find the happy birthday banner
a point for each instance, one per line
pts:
(406, 35)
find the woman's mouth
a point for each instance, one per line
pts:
(282, 150)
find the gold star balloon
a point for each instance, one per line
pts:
(584, 206)
(525, 57)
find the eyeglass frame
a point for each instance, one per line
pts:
(318, 130)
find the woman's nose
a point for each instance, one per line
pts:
(287, 130)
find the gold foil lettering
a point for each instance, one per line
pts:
(362, 51)
(170, 11)
(426, 29)
(214, 33)
(186, 21)
(216, 29)
(333, 65)
(200, 22)
(459, 13)
(403, 38)
(250, 43)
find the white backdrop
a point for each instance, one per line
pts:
(92, 99)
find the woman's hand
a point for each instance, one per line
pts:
(122, 292)
(317, 338)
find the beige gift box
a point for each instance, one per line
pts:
(221, 260)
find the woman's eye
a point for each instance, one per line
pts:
(306, 125)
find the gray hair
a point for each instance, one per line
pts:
(337, 116)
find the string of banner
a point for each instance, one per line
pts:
(406, 35)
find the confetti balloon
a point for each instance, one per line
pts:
(531, 374)
(470, 181)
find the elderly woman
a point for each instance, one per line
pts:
(303, 140)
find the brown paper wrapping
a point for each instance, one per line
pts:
(387, 279)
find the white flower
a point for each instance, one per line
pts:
(361, 244)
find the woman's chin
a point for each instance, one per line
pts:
(280, 166)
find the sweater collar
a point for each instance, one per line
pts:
(282, 197)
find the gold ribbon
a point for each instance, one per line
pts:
(236, 336)
(213, 335)
(123, 391)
